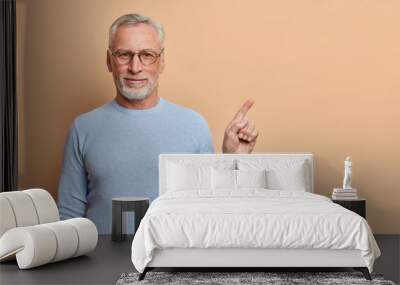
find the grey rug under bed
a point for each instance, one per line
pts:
(269, 278)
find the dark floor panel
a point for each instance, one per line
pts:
(389, 262)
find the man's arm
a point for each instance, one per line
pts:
(72, 190)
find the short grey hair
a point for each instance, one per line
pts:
(134, 19)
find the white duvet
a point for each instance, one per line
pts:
(251, 218)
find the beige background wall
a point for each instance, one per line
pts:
(324, 74)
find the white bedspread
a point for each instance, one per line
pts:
(250, 218)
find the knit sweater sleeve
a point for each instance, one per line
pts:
(73, 184)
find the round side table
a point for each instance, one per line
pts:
(139, 205)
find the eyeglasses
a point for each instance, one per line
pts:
(147, 57)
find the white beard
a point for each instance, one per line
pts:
(135, 94)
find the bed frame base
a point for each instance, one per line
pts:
(363, 270)
(264, 260)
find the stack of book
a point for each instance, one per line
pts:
(344, 194)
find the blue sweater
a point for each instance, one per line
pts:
(113, 151)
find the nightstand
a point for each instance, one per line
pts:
(139, 205)
(358, 206)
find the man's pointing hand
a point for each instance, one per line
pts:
(240, 135)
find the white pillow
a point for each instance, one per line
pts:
(287, 179)
(251, 178)
(281, 174)
(223, 179)
(187, 177)
(236, 179)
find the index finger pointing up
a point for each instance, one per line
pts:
(244, 109)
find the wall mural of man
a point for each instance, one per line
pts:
(113, 150)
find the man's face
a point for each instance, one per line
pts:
(135, 80)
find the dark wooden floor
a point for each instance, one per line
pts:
(110, 260)
(389, 262)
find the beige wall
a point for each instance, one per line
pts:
(324, 74)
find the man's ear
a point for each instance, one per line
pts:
(109, 62)
(162, 63)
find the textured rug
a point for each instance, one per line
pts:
(269, 278)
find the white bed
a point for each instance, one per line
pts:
(216, 225)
